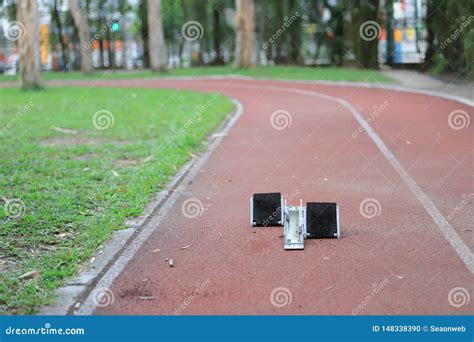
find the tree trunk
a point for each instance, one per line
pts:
(199, 46)
(295, 32)
(59, 25)
(366, 33)
(200, 12)
(245, 47)
(100, 23)
(390, 38)
(277, 22)
(184, 8)
(29, 45)
(144, 32)
(158, 58)
(110, 49)
(216, 18)
(80, 21)
(100, 42)
(430, 39)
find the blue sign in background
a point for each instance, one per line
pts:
(237, 328)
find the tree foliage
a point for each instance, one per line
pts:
(281, 36)
(451, 36)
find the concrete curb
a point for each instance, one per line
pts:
(75, 296)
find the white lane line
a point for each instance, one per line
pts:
(105, 282)
(380, 86)
(87, 307)
(446, 229)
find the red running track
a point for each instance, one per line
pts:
(407, 259)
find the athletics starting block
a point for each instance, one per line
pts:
(266, 210)
(313, 221)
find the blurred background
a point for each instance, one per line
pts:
(433, 35)
(79, 161)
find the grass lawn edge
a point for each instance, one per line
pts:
(31, 306)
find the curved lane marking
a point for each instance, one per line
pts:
(446, 229)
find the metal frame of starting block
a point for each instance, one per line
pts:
(294, 226)
(294, 219)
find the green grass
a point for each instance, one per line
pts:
(78, 188)
(275, 72)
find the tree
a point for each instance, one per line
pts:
(450, 37)
(172, 27)
(217, 8)
(158, 55)
(296, 32)
(99, 24)
(266, 16)
(82, 25)
(430, 39)
(245, 46)
(29, 46)
(337, 38)
(200, 46)
(57, 19)
(366, 32)
(389, 25)
(277, 27)
(143, 24)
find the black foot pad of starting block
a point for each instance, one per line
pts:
(266, 210)
(322, 220)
